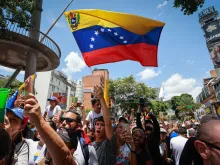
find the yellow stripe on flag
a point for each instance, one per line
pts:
(87, 18)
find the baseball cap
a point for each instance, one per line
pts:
(17, 111)
(53, 98)
(162, 130)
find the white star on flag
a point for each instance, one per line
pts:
(121, 37)
(102, 30)
(93, 39)
(115, 33)
(125, 41)
(91, 46)
(96, 33)
(109, 30)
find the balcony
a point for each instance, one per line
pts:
(15, 44)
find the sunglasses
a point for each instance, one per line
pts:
(68, 120)
(211, 145)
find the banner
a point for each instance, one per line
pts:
(212, 31)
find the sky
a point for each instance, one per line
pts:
(183, 57)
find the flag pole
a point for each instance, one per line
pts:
(48, 31)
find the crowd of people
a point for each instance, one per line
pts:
(65, 137)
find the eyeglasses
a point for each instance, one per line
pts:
(211, 145)
(68, 120)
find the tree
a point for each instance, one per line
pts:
(188, 7)
(18, 11)
(14, 85)
(159, 106)
(126, 92)
(183, 105)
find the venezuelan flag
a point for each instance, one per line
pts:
(105, 37)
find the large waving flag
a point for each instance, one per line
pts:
(105, 37)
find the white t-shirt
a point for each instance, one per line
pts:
(50, 114)
(163, 148)
(91, 117)
(177, 144)
(79, 158)
(34, 151)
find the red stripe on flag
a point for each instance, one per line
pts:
(144, 53)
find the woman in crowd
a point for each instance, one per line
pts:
(126, 152)
(142, 154)
(52, 109)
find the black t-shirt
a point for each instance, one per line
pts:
(142, 157)
(190, 154)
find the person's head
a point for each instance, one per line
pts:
(188, 124)
(70, 142)
(113, 120)
(182, 131)
(208, 142)
(163, 134)
(96, 105)
(216, 48)
(100, 128)
(53, 101)
(16, 119)
(121, 127)
(70, 120)
(5, 143)
(139, 137)
(191, 132)
(148, 123)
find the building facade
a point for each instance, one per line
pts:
(80, 92)
(210, 23)
(207, 97)
(98, 77)
(54, 83)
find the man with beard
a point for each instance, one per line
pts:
(152, 132)
(85, 153)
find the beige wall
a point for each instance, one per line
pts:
(98, 77)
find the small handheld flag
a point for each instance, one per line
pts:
(3, 98)
(105, 37)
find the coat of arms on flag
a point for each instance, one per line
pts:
(74, 20)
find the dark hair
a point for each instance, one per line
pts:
(52, 124)
(5, 143)
(78, 118)
(94, 101)
(99, 119)
(182, 131)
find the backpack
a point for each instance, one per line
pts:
(84, 146)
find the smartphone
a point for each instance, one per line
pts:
(126, 127)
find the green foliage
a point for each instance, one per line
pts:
(14, 86)
(183, 105)
(127, 92)
(159, 106)
(17, 11)
(188, 7)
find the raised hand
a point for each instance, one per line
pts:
(32, 109)
(98, 92)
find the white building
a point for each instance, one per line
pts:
(53, 82)
(80, 92)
